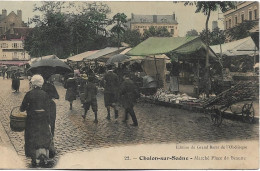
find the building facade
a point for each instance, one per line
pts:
(245, 10)
(12, 34)
(143, 22)
(13, 50)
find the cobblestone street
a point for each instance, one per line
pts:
(157, 124)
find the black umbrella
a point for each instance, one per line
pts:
(117, 58)
(47, 67)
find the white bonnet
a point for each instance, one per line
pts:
(37, 80)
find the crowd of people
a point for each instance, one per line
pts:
(39, 104)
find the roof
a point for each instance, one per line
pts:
(188, 47)
(19, 33)
(153, 19)
(81, 56)
(103, 52)
(244, 46)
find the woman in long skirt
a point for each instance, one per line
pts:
(37, 133)
(71, 93)
(15, 81)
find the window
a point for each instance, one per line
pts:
(250, 15)
(14, 45)
(4, 45)
(4, 55)
(242, 18)
(255, 12)
(235, 20)
(226, 24)
(172, 31)
(15, 55)
(229, 23)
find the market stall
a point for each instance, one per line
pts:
(186, 49)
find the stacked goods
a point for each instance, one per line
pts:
(239, 92)
(166, 96)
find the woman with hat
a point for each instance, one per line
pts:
(37, 130)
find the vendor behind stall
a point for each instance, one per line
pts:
(174, 77)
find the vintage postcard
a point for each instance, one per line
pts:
(129, 85)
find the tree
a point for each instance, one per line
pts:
(132, 37)
(241, 31)
(156, 32)
(119, 28)
(192, 32)
(207, 7)
(50, 36)
(215, 37)
(63, 32)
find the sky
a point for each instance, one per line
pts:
(186, 16)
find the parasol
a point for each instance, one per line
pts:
(48, 67)
(117, 58)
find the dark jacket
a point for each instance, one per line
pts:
(110, 82)
(128, 93)
(52, 94)
(37, 131)
(71, 86)
(15, 81)
(90, 92)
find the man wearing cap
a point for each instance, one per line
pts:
(128, 96)
(111, 86)
(90, 99)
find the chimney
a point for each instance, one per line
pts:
(19, 14)
(173, 15)
(4, 12)
(154, 18)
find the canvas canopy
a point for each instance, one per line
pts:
(187, 47)
(33, 60)
(81, 56)
(103, 52)
(240, 47)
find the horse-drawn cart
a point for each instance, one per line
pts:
(242, 92)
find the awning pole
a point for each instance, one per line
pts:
(157, 77)
(254, 58)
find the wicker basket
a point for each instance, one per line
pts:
(17, 120)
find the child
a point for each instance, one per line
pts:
(90, 93)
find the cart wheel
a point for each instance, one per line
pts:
(248, 113)
(216, 116)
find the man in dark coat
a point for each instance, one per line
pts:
(128, 96)
(3, 72)
(90, 99)
(37, 130)
(111, 86)
(50, 89)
